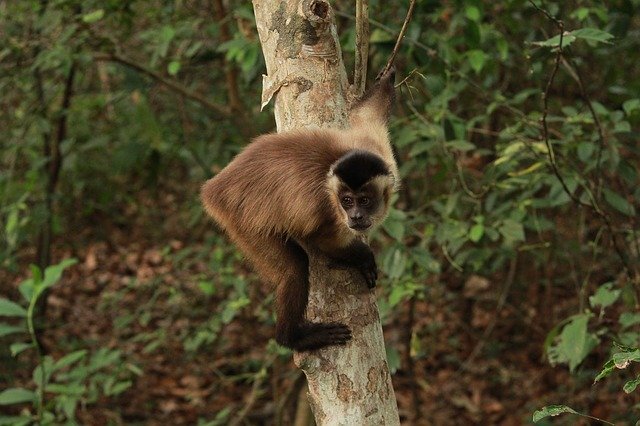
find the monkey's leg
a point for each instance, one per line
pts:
(292, 296)
(286, 264)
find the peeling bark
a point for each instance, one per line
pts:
(348, 385)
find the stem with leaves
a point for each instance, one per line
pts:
(34, 340)
(592, 204)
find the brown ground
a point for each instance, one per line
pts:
(476, 364)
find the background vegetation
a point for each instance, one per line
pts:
(510, 264)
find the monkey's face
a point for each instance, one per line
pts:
(362, 208)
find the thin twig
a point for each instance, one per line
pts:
(114, 57)
(496, 314)
(463, 182)
(400, 37)
(256, 392)
(404, 80)
(230, 72)
(573, 72)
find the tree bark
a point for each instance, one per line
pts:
(348, 385)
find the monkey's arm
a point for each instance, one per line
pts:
(357, 255)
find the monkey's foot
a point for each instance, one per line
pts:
(318, 335)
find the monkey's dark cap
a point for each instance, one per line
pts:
(358, 167)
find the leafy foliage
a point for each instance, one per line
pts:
(76, 378)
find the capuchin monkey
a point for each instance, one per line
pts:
(323, 188)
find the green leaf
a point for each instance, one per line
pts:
(423, 258)
(554, 41)
(11, 309)
(512, 231)
(476, 232)
(118, 388)
(173, 67)
(552, 410)
(380, 36)
(585, 150)
(73, 389)
(631, 385)
(94, 16)
(623, 359)
(17, 396)
(394, 228)
(16, 348)
(607, 369)
(26, 287)
(15, 420)
(53, 273)
(618, 202)
(233, 307)
(43, 371)
(618, 360)
(477, 59)
(207, 287)
(472, 13)
(580, 13)
(69, 359)
(394, 264)
(605, 296)
(393, 359)
(631, 105)
(402, 292)
(6, 329)
(592, 34)
(574, 342)
(11, 227)
(460, 145)
(627, 319)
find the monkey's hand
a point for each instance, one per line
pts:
(369, 269)
(357, 255)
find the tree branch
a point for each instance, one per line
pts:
(362, 47)
(230, 72)
(400, 37)
(174, 85)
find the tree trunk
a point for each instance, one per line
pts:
(351, 384)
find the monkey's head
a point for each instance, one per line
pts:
(361, 185)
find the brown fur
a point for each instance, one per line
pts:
(276, 194)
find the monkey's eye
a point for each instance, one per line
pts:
(365, 201)
(346, 201)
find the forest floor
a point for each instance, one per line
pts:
(479, 361)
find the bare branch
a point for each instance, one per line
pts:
(400, 37)
(573, 72)
(174, 85)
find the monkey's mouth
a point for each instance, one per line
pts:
(359, 226)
